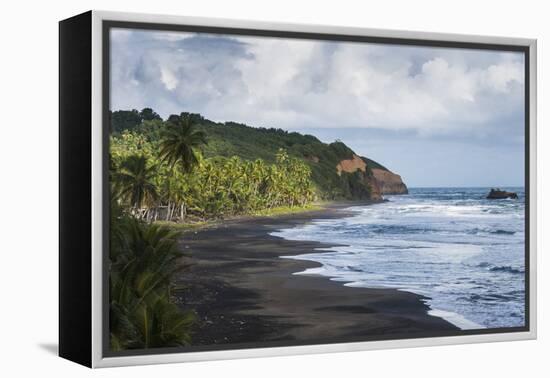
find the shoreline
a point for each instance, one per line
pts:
(244, 292)
(274, 213)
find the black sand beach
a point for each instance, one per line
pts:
(243, 292)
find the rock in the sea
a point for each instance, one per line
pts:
(501, 194)
(389, 182)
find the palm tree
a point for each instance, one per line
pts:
(142, 268)
(178, 146)
(135, 181)
(180, 139)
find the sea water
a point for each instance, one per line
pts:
(452, 245)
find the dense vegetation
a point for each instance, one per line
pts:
(233, 139)
(164, 176)
(143, 262)
(130, 119)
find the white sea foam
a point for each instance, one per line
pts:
(456, 319)
(461, 251)
(452, 317)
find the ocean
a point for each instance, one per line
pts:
(462, 251)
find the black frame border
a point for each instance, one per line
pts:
(75, 189)
(107, 25)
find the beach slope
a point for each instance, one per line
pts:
(244, 293)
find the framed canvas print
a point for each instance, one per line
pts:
(236, 189)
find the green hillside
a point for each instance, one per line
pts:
(249, 143)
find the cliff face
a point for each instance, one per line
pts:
(356, 165)
(376, 192)
(389, 182)
(379, 181)
(351, 165)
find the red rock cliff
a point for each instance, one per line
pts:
(389, 182)
(357, 164)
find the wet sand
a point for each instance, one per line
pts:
(244, 293)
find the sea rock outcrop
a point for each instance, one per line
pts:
(389, 182)
(501, 194)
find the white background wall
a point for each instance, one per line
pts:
(28, 148)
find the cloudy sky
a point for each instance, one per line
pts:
(437, 116)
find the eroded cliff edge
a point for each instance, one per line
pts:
(389, 182)
(377, 178)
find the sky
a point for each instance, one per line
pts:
(436, 116)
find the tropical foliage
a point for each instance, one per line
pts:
(179, 142)
(130, 119)
(144, 259)
(134, 182)
(164, 176)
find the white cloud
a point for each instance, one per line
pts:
(501, 76)
(287, 83)
(168, 78)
